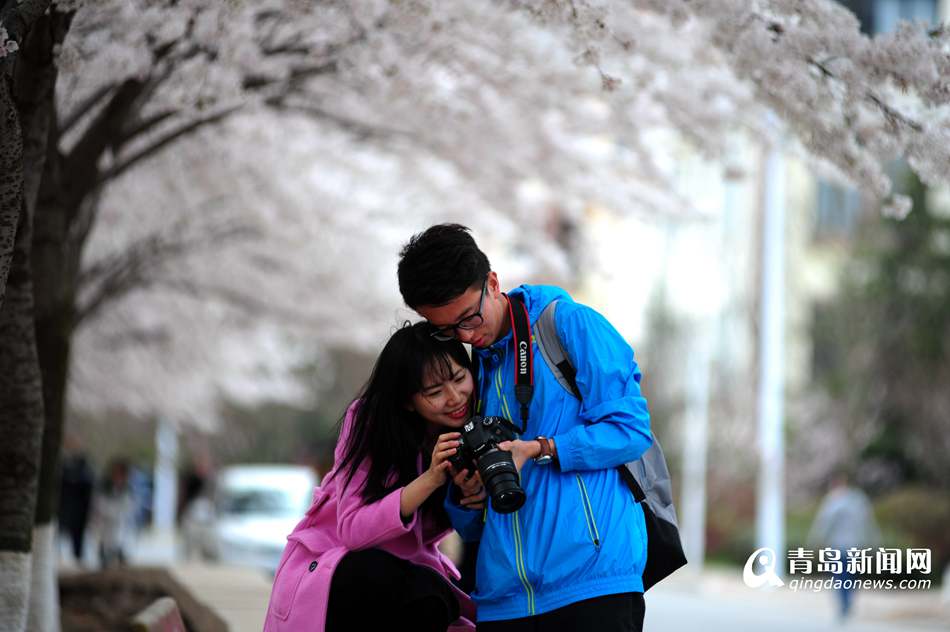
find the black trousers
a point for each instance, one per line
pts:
(372, 589)
(77, 538)
(610, 613)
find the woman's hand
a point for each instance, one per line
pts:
(416, 492)
(521, 451)
(473, 492)
(439, 468)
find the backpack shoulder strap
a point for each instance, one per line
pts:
(552, 350)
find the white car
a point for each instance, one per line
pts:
(252, 511)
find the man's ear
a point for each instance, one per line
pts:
(494, 287)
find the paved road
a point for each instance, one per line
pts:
(715, 603)
(237, 595)
(671, 611)
(717, 600)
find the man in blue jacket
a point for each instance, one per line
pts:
(572, 557)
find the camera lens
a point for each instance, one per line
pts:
(501, 479)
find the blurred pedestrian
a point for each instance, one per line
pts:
(114, 514)
(845, 520)
(75, 495)
(192, 485)
(142, 485)
(196, 511)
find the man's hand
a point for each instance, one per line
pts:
(521, 451)
(473, 492)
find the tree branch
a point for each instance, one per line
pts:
(257, 82)
(83, 108)
(235, 298)
(82, 163)
(892, 115)
(118, 169)
(141, 127)
(360, 128)
(135, 267)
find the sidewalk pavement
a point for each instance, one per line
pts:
(237, 595)
(714, 600)
(803, 610)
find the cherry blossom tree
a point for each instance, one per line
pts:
(577, 97)
(852, 102)
(485, 73)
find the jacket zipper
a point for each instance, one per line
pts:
(519, 561)
(588, 512)
(516, 520)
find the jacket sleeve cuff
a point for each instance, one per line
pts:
(465, 521)
(566, 452)
(391, 508)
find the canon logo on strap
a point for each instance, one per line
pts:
(523, 355)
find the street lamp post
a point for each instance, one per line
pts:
(770, 506)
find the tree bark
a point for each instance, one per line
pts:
(16, 17)
(21, 417)
(25, 96)
(36, 99)
(11, 178)
(55, 268)
(53, 261)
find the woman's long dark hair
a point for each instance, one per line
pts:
(384, 430)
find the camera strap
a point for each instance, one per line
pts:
(524, 360)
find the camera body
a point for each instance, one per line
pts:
(478, 449)
(480, 435)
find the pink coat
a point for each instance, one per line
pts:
(337, 522)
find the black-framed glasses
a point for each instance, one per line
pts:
(468, 323)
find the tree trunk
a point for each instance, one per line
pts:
(43, 610)
(65, 205)
(16, 18)
(26, 98)
(21, 417)
(54, 275)
(50, 263)
(20, 408)
(11, 178)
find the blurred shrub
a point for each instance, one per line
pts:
(911, 517)
(917, 517)
(730, 521)
(798, 521)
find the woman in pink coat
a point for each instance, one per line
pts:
(365, 555)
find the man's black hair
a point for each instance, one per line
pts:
(440, 264)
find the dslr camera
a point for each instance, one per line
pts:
(479, 449)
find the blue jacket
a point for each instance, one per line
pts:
(579, 534)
